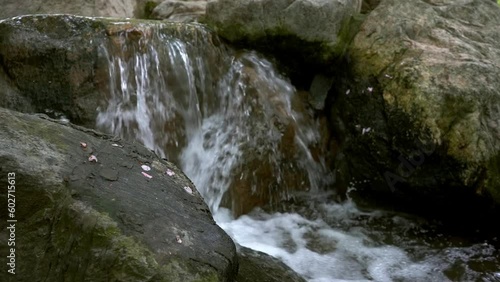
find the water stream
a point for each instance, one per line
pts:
(238, 129)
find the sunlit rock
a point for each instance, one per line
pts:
(315, 31)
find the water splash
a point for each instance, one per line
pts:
(226, 118)
(330, 242)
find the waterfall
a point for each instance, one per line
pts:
(246, 138)
(226, 117)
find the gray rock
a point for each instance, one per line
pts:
(68, 44)
(73, 223)
(418, 117)
(315, 29)
(180, 10)
(99, 8)
(320, 87)
(261, 267)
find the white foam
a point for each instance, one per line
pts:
(323, 253)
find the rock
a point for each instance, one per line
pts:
(49, 63)
(258, 266)
(419, 117)
(179, 10)
(52, 63)
(99, 8)
(320, 87)
(74, 223)
(315, 31)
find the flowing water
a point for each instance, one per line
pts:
(238, 128)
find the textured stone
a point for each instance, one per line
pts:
(258, 266)
(418, 114)
(73, 223)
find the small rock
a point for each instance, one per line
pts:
(109, 174)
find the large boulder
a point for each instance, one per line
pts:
(55, 64)
(418, 118)
(49, 64)
(102, 219)
(99, 8)
(313, 31)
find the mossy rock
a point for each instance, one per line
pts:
(417, 79)
(77, 223)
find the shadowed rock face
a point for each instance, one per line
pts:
(50, 63)
(418, 115)
(312, 32)
(104, 220)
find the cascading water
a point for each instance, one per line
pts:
(207, 109)
(231, 122)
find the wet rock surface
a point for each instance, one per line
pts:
(49, 63)
(104, 218)
(258, 266)
(417, 115)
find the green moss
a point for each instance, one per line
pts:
(148, 9)
(348, 30)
